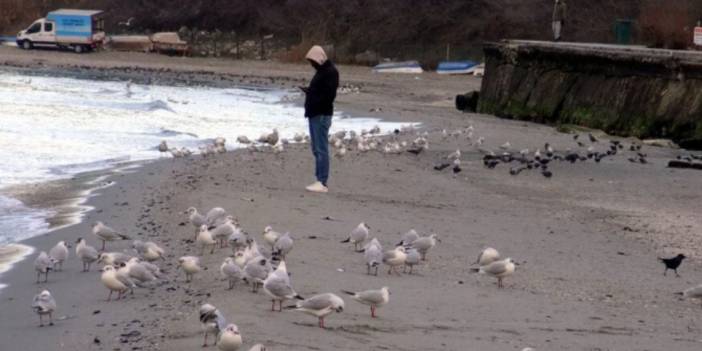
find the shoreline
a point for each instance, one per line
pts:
(586, 240)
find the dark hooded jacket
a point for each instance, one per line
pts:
(319, 100)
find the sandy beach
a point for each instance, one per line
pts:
(586, 240)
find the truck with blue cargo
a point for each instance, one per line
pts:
(77, 30)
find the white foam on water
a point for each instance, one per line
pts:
(53, 128)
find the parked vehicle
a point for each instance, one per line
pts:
(77, 30)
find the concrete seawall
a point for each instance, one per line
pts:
(623, 90)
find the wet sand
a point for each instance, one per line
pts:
(586, 240)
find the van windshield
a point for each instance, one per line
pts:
(35, 28)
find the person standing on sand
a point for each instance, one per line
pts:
(319, 108)
(559, 16)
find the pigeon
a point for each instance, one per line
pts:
(372, 298)
(320, 306)
(86, 253)
(190, 265)
(498, 269)
(672, 263)
(106, 233)
(44, 304)
(229, 338)
(43, 264)
(59, 253)
(358, 235)
(212, 321)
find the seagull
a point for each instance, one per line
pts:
(243, 139)
(44, 304)
(43, 264)
(256, 271)
(136, 270)
(320, 306)
(372, 298)
(393, 258)
(190, 265)
(237, 240)
(229, 338)
(270, 236)
(204, 239)
(373, 254)
(498, 269)
(672, 263)
(413, 259)
(408, 238)
(195, 218)
(283, 246)
(358, 235)
(487, 256)
(424, 244)
(106, 233)
(454, 155)
(113, 258)
(693, 293)
(59, 253)
(149, 250)
(277, 285)
(230, 271)
(212, 321)
(223, 231)
(86, 253)
(506, 146)
(215, 217)
(163, 147)
(115, 282)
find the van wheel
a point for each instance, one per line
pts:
(78, 49)
(27, 45)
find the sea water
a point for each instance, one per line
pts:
(54, 127)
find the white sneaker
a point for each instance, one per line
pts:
(317, 187)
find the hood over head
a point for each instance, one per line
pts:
(317, 55)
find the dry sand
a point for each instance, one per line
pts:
(587, 239)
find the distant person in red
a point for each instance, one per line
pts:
(319, 108)
(559, 16)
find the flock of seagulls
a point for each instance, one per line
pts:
(265, 267)
(262, 267)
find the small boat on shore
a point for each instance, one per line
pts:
(456, 67)
(398, 67)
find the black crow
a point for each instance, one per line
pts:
(672, 263)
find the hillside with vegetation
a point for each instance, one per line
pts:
(391, 28)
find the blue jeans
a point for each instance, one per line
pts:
(319, 135)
